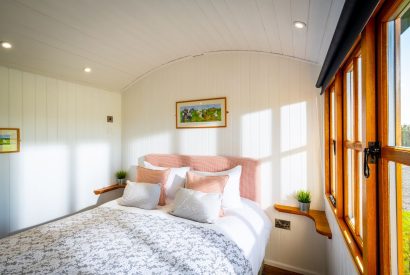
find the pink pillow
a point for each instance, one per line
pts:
(206, 184)
(154, 176)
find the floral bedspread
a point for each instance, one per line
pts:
(113, 241)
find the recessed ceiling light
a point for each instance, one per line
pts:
(87, 70)
(299, 24)
(6, 45)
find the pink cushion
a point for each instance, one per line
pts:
(154, 176)
(250, 182)
(206, 184)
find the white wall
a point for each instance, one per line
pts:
(67, 148)
(339, 259)
(274, 116)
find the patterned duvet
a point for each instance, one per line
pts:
(113, 241)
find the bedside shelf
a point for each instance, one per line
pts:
(108, 188)
(319, 217)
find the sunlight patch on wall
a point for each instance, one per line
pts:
(43, 185)
(256, 134)
(293, 130)
(92, 170)
(267, 183)
(293, 174)
(196, 142)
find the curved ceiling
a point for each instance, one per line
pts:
(123, 40)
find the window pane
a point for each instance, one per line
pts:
(360, 219)
(350, 185)
(405, 79)
(333, 144)
(391, 84)
(349, 105)
(359, 99)
(399, 178)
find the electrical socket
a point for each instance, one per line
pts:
(283, 224)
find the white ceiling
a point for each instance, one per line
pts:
(122, 40)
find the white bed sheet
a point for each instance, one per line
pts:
(248, 227)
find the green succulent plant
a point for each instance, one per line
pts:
(121, 174)
(303, 196)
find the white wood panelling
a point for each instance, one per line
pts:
(273, 116)
(122, 40)
(67, 147)
(339, 259)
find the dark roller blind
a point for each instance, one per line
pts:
(353, 19)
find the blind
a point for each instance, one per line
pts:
(354, 17)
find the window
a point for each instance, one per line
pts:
(353, 148)
(395, 135)
(332, 142)
(351, 124)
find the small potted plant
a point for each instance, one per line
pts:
(304, 200)
(121, 175)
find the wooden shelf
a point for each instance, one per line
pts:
(108, 188)
(319, 217)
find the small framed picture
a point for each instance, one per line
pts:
(201, 113)
(9, 140)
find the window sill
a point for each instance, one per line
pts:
(349, 239)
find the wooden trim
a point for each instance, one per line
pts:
(319, 217)
(108, 188)
(339, 144)
(396, 154)
(383, 183)
(369, 191)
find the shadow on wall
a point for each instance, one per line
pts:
(51, 181)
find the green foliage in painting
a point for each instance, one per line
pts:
(200, 115)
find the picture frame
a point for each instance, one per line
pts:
(9, 140)
(201, 113)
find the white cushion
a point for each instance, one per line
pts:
(232, 195)
(197, 206)
(176, 178)
(141, 195)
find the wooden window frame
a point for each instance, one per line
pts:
(365, 258)
(391, 10)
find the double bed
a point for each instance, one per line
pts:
(115, 239)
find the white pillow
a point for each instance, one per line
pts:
(141, 195)
(232, 195)
(197, 206)
(176, 178)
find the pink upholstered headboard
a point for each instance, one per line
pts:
(250, 185)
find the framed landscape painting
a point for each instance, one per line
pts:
(9, 140)
(201, 113)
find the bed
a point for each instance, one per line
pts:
(114, 239)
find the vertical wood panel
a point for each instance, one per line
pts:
(4, 158)
(42, 175)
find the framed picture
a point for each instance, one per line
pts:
(9, 140)
(201, 113)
